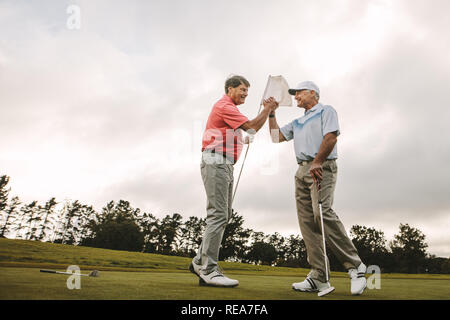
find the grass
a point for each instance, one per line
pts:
(131, 275)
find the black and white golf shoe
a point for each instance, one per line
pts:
(311, 285)
(358, 280)
(216, 279)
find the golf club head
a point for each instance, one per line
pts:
(94, 273)
(325, 292)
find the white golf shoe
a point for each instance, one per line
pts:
(358, 280)
(195, 268)
(216, 279)
(311, 285)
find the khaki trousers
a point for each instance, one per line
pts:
(309, 219)
(217, 175)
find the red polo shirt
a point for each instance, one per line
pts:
(221, 134)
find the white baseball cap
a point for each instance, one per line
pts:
(305, 85)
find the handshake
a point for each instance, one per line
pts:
(270, 105)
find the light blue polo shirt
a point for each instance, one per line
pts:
(309, 130)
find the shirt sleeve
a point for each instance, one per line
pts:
(288, 131)
(232, 116)
(330, 121)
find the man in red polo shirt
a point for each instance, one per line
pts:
(221, 148)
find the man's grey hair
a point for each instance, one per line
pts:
(316, 95)
(235, 81)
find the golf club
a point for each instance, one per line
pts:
(246, 151)
(93, 273)
(330, 289)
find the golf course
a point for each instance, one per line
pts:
(130, 275)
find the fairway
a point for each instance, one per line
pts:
(158, 277)
(29, 283)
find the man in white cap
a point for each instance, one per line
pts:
(315, 136)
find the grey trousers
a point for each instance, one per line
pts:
(309, 219)
(217, 175)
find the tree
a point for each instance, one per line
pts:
(11, 215)
(116, 228)
(150, 227)
(80, 230)
(76, 222)
(262, 253)
(278, 241)
(409, 249)
(257, 236)
(295, 252)
(4, 192)
(19, 224)
(234, 240)
(29, 215)
(169, 233)
(48, 212)
(192, 234)
(370, 243)
(434, 264)
(68, 219)
(115, 235)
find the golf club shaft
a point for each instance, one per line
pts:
(323, 239)
(61, 272)
(239, 178)
(323, 230)
(248, 147)
(243, 162)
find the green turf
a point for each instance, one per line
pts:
(165, 277)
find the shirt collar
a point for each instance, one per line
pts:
(313, 109)
(228, 99)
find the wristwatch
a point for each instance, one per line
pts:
(272, 115)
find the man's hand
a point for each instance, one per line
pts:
(327, 145)
(316, 173)
(249, 138)
(271, 104)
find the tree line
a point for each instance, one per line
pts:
(119, 226)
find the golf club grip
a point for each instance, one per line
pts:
(48, 271)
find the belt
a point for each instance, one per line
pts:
(214, 151)
(305, 162)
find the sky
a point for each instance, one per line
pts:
(107, 100)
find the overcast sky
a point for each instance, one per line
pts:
(116, 108)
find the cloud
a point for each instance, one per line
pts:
(116, 110)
